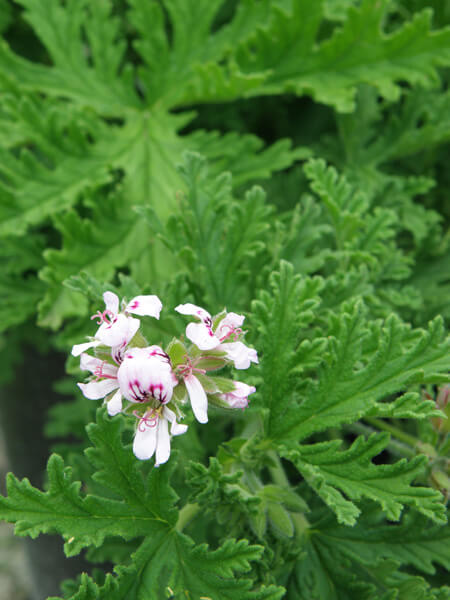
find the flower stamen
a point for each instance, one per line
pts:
(146, 421)
(106, 316)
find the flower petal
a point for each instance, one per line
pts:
(162, 443)
(175, 428)
(119, 332)
(114, 405)
(194, 310)
(229, 322)
(240, 354)
(99, 367)
(145, 306)
(202, 336)
(80, 348)
(89, 363)
(144, 444)
(238, 398)
(197, 396)
(98, 389)
(242, 390)
(111, 302)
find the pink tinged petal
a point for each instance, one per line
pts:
(144, 444)
(197, 396)
(240, 354)
(89, 363)
(145, 306)
(175, 428)
(242, 390)
(238, 398)
(232, 320)
(192, 309)
(80, 348)
(111, 302)
(114, 405)
(202, 336)
(94, 390)
(162, 443)
(119, 332)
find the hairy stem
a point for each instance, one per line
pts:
(395, 431)
(186, 515)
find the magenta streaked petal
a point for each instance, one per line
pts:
(202, 336)
(197, 396)
(94, 390)
(143, 375)
(145, 306)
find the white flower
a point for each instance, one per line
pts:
(106, 382)
(197, 396)
(229, 328)
(117, 328)
(238, 398)
(152, 435)
(145, 373)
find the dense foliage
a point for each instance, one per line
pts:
(283, 159)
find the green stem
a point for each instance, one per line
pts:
(395, 431)
(277, 471)
(186, 515)
(301, 524)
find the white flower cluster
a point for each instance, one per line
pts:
(152, 384)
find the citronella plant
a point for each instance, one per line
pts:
(257, 191)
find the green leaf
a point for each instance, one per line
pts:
(92, 78)
(363, 562)
(343, 476)
(111, 238)
(329, 70)
(216, 238)
(347, 389)
(142, 505)
(176, 567)
(87, 520)
(281, 316)
(415, 541)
